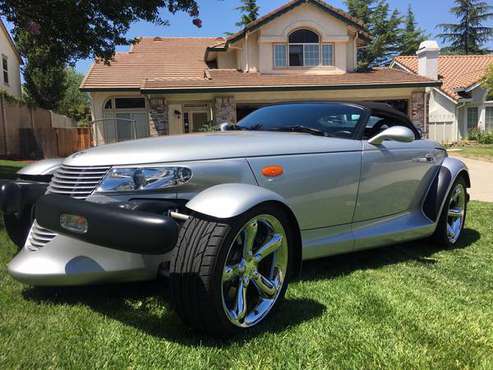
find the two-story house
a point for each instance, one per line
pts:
(10, 80)
(304, 50)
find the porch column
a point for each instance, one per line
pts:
(224, 109)
(158, 116)
(418, 111)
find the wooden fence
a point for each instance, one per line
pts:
(35, 133)
(52, 142)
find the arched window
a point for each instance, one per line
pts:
(303, 49)
(303, 37)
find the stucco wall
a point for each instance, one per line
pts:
(14, 86)
(330, 29)
(443, 123)
(227, 60)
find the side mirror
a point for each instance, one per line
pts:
(396, 133)
(224, 126)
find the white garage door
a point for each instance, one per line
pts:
(443, 132)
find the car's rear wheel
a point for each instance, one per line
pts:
(226, 277)
(451, 223)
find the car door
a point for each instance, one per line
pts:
(394, 175)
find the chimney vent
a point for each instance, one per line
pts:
(428, 54)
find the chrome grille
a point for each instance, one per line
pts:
(77, 182)
(38, 237)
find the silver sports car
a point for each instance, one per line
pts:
(230, 215)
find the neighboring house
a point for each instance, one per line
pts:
(10, 78)
(461, 103)
(304, 50)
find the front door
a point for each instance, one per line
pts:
(196, 118)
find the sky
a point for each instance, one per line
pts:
(220, 16)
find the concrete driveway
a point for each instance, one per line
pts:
(481, 173)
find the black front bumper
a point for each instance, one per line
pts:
(17, 199)
(110, 225)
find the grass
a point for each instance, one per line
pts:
(408, 306)
(477, 151)
(9, 168)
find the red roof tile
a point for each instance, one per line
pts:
(226, 78)
(152, 57)
(456, 71)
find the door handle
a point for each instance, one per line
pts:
(428, 158)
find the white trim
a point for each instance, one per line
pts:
(445, 95)
(394, 62)
(472, 87)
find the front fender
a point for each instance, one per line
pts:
(450, 170)
(43, 167)
(231, 200)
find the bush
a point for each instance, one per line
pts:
(482, 137)
(474, 134)
(486, 138)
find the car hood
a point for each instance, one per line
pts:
(206, 146)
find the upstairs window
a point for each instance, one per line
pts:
(303, 49)
(5, 69)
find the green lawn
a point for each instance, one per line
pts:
(9, 168)
(407, 306)
(479, 151)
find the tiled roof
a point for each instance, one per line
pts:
(233, 79)
(456, 71)
(152, 57)
(178, 63)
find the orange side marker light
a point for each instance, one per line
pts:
(272, 171)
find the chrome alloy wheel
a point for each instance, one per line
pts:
(254, 271)
(456, 213)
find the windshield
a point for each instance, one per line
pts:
(329, 119)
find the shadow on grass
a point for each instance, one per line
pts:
(418, 251)
(9, 172)
(140, 305)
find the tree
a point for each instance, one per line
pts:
(78, 29)
(383, 26)
(75, 104)
(471, 33)
(43, 74)
(488, 82)
(249, 12)
(411, 35)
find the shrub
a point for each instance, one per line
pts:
(486, 138)
(482, 137)
(474, 134)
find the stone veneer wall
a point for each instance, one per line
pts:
(224, 109)
(158, 117)
(418, 112)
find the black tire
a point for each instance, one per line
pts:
(18, 226)
(197, 266)
(441, 234)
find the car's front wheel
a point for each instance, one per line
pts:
(229, 276)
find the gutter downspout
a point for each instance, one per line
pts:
(247, 65)
(460, 104)
(355, 51)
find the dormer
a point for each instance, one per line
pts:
(301, 37)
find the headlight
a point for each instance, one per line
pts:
(144, 178)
